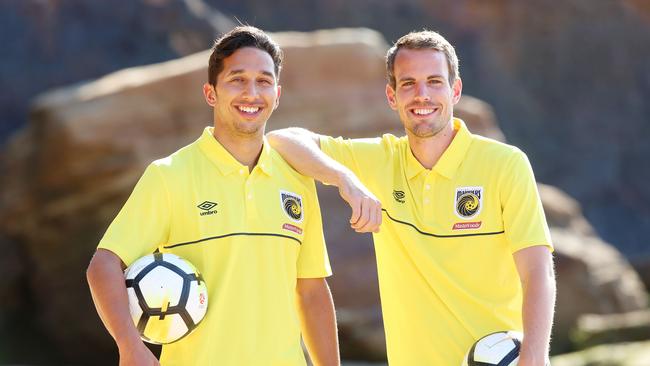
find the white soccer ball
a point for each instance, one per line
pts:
(498, 349)
(167, 297)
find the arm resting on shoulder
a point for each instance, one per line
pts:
(318, 321)
(301, 149)
(108, 289)
(535, 267)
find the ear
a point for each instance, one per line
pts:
(456, 90)
(277, 99)
(209, 94)
(390, 95)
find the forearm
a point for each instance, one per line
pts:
(108, 290)
(301, 149)
(537, 309)
(318, 323)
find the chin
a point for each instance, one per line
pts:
(247, 129)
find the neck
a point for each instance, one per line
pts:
(428, 150)
(246, 149)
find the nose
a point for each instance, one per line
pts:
(421, 93)
(250, 90)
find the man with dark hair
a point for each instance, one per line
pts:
(259, 247)
(464, 249)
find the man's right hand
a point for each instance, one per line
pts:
(301, 149)
(366, 208)
(137, 355)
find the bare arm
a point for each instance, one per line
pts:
(318, 321)
(106, 280)
(301, 149)
(535, 267)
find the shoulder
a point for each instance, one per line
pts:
(496, 159)
(177, 161)
(283, 171)
(386, 141)
(496, 151)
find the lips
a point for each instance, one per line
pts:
(249, 110)
(423, 111)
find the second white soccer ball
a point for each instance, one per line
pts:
(495, 349)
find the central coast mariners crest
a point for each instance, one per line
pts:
(292, 205)
(468, 201)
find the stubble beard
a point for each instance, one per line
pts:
(248, 129)
(428, 129)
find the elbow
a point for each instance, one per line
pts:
(542, 278)
(312, 291)
(93, 270)
(101, 264)
(307, 297)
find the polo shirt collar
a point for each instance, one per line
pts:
(450, 160)
(224, 161)
(413, 166)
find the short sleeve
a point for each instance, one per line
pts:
(361, 156)
(143, 222)
(523, 215)
(313, 261)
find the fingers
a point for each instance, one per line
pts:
(365, 215)
(356, 211)
(366, 208)
(370, 217)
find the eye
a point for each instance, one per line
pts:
(435, 81)
(265, 82)
(236, 80)
(407, 83)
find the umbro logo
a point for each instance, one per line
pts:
(399, 196)
(207, 208)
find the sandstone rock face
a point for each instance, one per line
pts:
(624, 354)
(70, 171)
(55, 43)
(592, 277)
(594, 329)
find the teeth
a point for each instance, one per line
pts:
(423, 111)
(249, 109)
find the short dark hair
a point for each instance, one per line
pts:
(240, 37)
(424, 39)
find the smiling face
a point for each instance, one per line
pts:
(245, 94)
(422, 95)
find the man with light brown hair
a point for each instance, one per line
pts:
(464, 249)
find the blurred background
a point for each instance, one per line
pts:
(91, 92)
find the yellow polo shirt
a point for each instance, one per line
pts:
(444, 252)
(251, 235)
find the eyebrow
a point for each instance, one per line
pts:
(409, 78)
(241, 71)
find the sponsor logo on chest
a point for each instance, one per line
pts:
(468, 202)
